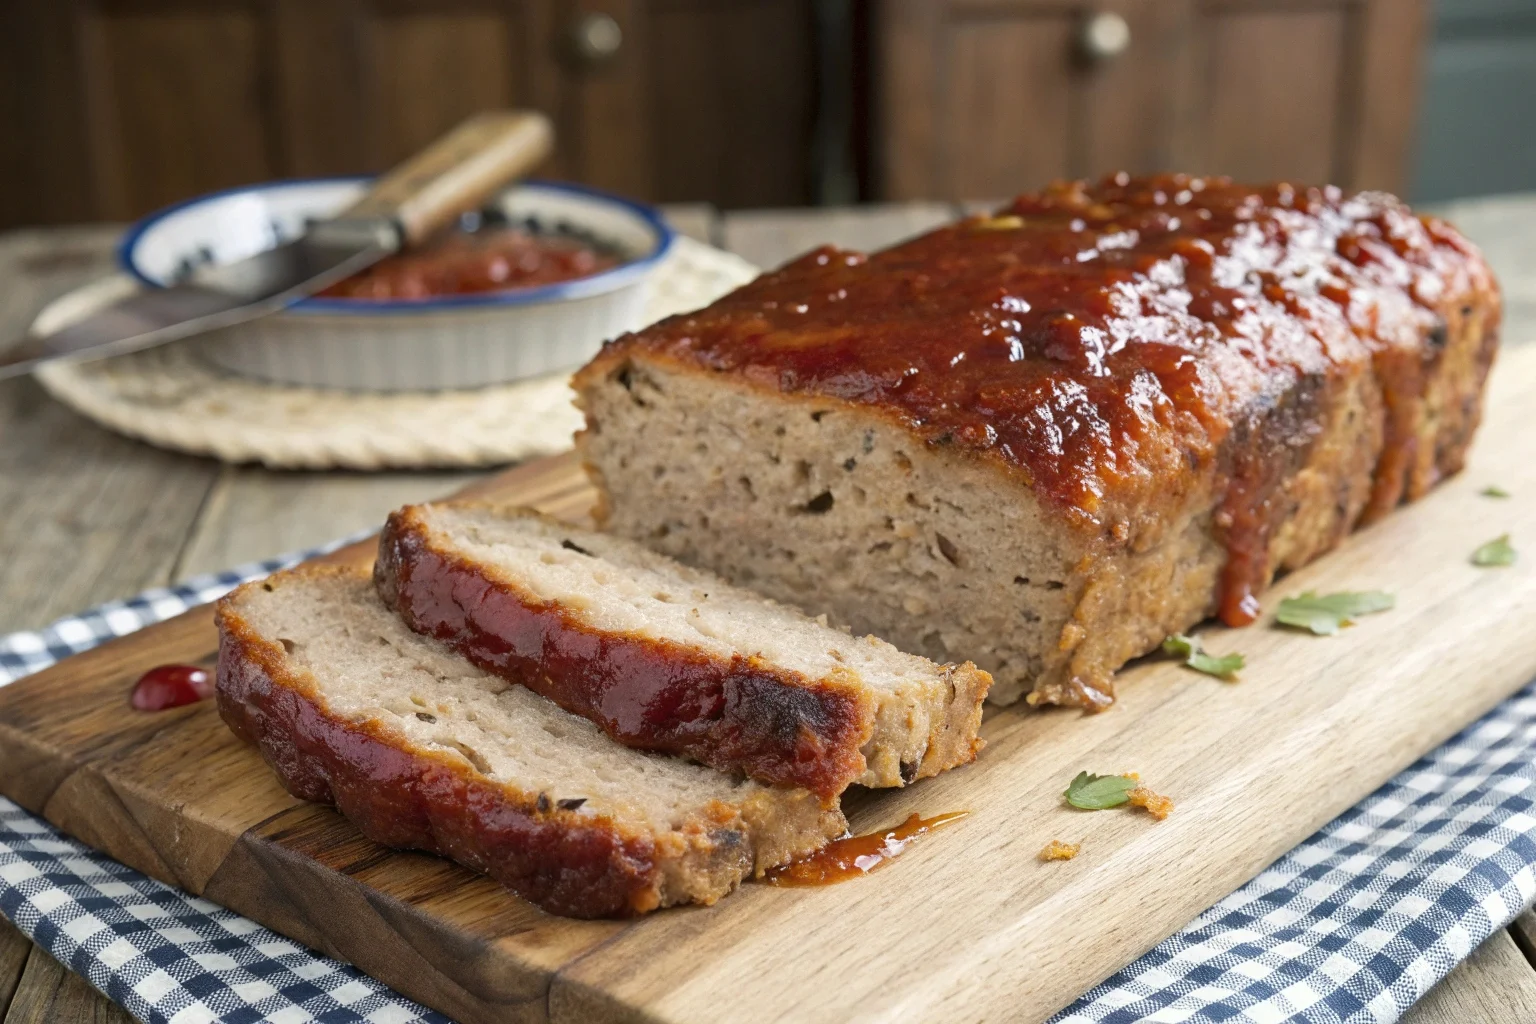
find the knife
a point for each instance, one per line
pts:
(457, 173)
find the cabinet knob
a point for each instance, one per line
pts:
(1104, 36)
(595, 39)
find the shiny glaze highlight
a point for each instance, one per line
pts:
(1124, 346)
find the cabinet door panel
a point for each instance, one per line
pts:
(992, 97)
(363, 84)
(174, 104)
(45, 172)
(1125, 105)
(124, 105)
(411, 59)
(986, 97)
(1273, 88)
(1006, 109)
(732, 100)
(316, 88)
(605, 134)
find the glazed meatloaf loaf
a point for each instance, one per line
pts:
(1044, 439)
(664, 657)
(422, 750)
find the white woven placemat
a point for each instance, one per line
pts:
(171, 398)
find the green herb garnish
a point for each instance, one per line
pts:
(1100, 792)
(1224, 666)
(1496, 552)
(1325, 614)
(1494, 491)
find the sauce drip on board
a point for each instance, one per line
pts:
(856, 856)
(171, 686)
(491, 259)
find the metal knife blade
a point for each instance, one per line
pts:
(456, 173)
(213, 297)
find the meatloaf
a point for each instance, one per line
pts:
(1045, 438)
(664, 657)
(421, 750)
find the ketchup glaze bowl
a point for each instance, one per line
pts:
(447, 342)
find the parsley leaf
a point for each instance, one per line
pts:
(1325, 614)
(1187, 647)
(1100, 792)
(1494, 491)
(1497, 552)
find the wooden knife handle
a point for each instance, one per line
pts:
(457, 173)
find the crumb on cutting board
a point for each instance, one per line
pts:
(1058, 850)
(1155, 804)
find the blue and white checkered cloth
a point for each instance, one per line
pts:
(1352, 926)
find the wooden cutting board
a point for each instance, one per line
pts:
(968, 924)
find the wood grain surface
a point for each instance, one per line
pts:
(1515, 1000)
(70, 491)
(175, 795)
(47, 993)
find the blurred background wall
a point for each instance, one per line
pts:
(115, 107)
(1477, 116)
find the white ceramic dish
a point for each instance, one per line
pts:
(408, 345)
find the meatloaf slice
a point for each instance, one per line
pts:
(421, 750)
(664, 657)
(1044, 439)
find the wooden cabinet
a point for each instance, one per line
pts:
(118, 106)
(114, 107)
(991, 97)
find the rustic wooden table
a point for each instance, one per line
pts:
(89, 515)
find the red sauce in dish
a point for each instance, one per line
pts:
(856, 856)
(468, 263)
(171, 686)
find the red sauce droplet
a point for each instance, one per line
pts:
(171, 686)
(856, 856)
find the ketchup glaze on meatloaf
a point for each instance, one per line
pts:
(1108, 341)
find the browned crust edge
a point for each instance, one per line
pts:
(569, 863)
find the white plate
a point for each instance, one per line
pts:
(408, 345)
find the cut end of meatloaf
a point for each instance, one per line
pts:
(841, 513)
(421, 750)
(665, 657)
(1046, 439)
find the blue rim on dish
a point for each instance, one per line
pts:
(581, 287)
